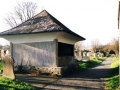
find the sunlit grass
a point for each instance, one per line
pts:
(115, 62)
(9, 84)
(112, 83)
(91, 63)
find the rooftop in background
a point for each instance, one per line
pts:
(40, 23)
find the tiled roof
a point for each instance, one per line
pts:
(42, 22)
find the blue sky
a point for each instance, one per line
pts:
(92, 19)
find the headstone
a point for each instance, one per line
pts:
(86, 58)
(2, 53)
(84, 54)
(78, 56)
(88, 54)
(101, 55)
(94, 55)
(7, 52)
(80, 53)
(7, 63)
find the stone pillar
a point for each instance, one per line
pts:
(55, 45)
(11, 49)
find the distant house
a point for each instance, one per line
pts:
(42, 41)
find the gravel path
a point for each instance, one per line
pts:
(91, 79)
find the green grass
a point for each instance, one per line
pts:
(91, 63)
(115, 62)
(112, 83)
(0, 66)
(9, 84)
(114, 67)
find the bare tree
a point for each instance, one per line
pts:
(22, 12)
(107, 47)
(95, 45)
(78, 45)
(115, 45)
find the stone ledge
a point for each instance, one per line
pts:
(50, 70)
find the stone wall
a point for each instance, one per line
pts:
(50, 70)
(34, 54)
(65, 60)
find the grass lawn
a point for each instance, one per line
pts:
(115, 62)
(91, 63)
(112, 83)
(9, 84)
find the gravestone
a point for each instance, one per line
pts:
(101, 55)
(94, 55)
(84, 54)
(2, 53)
(78, 55)
(7, 63)
(88, 54)
(79, 58)
(86, 58)
(91, 54)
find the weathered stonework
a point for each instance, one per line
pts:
(50, 70)
(34, 54)
(7, 63)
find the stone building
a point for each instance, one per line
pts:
(43, 42)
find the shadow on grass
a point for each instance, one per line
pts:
(114, 71)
